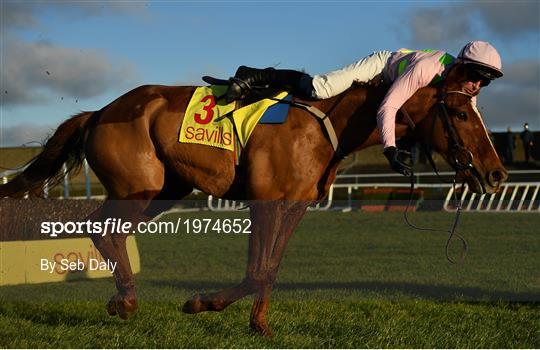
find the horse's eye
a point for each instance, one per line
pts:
(462, 116)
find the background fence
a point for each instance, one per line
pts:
(390, 191)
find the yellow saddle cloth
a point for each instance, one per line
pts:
(209, 122)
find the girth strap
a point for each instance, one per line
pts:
(326, 122)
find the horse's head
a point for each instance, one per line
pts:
(453, 127)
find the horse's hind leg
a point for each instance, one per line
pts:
(106, 248)
(130, 188)
(125, 301)
(173, 190)
(138, 208)
(112, 246)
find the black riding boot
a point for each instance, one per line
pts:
(245, 78)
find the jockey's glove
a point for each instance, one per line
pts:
(400, 160)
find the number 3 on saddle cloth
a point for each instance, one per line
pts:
(212, 122)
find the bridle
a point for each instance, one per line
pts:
(461, 160)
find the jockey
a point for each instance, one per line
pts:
(406, 70)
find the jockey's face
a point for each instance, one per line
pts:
(468, 78)
(474, 79)
(471, 87)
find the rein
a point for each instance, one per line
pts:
(451, 232)
(460, 153)
(458, 165)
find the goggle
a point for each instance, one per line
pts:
(474, 73)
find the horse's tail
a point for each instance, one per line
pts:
(64, 146)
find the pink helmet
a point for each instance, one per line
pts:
(482, 54)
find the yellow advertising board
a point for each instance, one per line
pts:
(55, 260)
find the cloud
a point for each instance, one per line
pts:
(513, 99)
(508, 101)
(22, 14)
(32, 72)
(525, 73)
(433, 26)
(18, 15)
(503, 108)
(509, 17)
(448, 25)
(36, 72)
(18, 135)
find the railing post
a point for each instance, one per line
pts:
(349, 196)
(533, 198)
(66, 181)
(87, 179)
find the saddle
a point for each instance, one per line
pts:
(256, 93)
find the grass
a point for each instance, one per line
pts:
(347, 280)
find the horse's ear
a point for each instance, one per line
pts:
(455, 77)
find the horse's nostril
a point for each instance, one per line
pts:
(496, 177)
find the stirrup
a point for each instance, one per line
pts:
(244, 85)
(238, 90)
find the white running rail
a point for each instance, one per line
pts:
(511, 197)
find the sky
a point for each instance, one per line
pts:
(62, 57)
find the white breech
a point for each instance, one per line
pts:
(335, 82)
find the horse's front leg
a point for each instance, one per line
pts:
(273, 224)
(218, 301)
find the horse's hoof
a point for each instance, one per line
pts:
(111, 307)
(194, 305)
(261, 328)
(122, 306)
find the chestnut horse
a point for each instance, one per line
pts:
(132, 146)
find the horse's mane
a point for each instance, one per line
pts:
(369, 84)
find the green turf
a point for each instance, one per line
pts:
(347, 280)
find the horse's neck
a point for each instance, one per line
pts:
(354, 114)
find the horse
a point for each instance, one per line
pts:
(132, 146)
